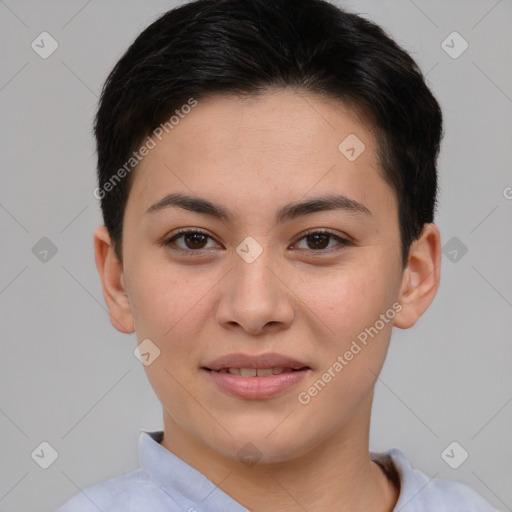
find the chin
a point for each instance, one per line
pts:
(256, 446)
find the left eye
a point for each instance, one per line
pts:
(195, 241)
(319, 240)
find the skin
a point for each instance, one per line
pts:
(253, 156)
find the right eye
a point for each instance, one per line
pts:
(193, 240)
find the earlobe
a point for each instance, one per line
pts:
(113, 283)
(420, 280)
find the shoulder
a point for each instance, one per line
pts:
(126, 493)
(420, 492)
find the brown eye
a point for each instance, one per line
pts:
(194, 240)
(320, 241)
(191, 241)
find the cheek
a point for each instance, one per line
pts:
(353, 356)
(348, 299)
(350, 303)
(164, 299)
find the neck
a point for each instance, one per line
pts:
(337, 474)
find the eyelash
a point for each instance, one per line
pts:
(343, 242)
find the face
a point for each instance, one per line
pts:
(258, 283)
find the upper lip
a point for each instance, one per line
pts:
(248, 361)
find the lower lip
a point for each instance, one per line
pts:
(256, 388)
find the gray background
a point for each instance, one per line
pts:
(68, 378)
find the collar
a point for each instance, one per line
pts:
(186, 485)
(183, 483)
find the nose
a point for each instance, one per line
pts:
(255, 298)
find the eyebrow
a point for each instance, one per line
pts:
(287, 212)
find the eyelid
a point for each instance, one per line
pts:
(327, 231)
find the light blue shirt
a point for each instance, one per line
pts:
(165, 483)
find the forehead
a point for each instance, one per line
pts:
(259, 149)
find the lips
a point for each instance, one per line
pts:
(261, 362)
(255, 377)
(255, 372)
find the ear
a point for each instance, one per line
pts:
(110, 270)
(420, 280)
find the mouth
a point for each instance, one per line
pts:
(271, 363)
(258, 372)
(255, 377)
